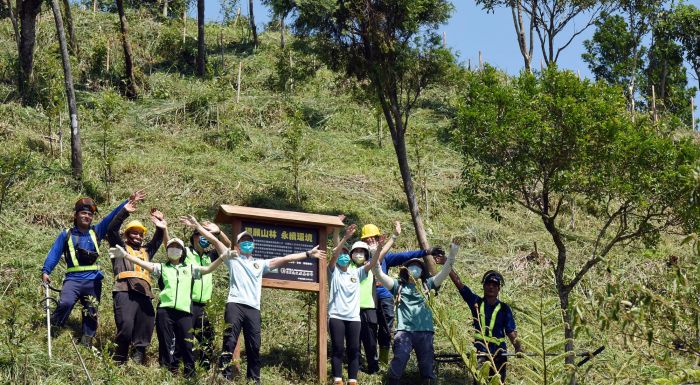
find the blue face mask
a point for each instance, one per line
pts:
(343, 260)
(203, 242)
(247, 247)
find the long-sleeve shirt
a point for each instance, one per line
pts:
(82, 240)
(504, 324)
(119, 265)
(396, 259)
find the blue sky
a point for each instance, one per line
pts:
(471, 30)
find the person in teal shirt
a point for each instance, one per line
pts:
(414, 329)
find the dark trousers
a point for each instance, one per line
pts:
(203, 333)
(237, 317)
(174, 329)
(500, 362)
(134, 316)
(368, 336)
(88, 292)
(404, 343)
(385, 333)
(345, 333)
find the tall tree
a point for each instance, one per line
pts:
(201, 47)
(13, 19)
(251, 19)
(28, 11)
(683, 24)
(71, 30)
(524, 35)
(281, 8)
(76, 151)
(540, 141)
(393, 49)
(131, 88)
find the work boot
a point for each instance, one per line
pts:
(384, 355)
(121, 354)
(139, 355)
(225, 365)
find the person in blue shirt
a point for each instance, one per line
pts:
(378, 323)
(493, 320)
(79, 246)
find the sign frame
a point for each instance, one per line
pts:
(324, 224)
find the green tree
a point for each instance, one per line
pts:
(390, 47)
(540, 141)
(683, 24)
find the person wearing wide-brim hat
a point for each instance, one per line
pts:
(414, 329)
(134, 315)
(347, 270)
(79, 245)
(245, 287)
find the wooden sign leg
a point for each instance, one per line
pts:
(322, 325)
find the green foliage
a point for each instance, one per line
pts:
(295, 148)
(683, 24)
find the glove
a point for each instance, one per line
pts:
(436, 251)
(117, 252)
(230, 254)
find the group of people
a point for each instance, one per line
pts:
(367, 307)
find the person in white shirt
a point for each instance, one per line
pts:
(344, 301)
(245, 286)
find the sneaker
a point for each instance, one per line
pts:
(338, 382)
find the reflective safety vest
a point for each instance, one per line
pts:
(367, 291)
(479, 337)
(138, 271)
(176, 286)
(72, 263)
(202, 287)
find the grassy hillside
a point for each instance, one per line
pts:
(192, 146)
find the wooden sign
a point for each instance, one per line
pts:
(278, 233)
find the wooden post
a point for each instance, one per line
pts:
(444, 39)
(692, 113)
(94, 6)
(238, 87)
(109, 45)
(322, 315)
(221, 48)
(184, 25)
(653, 103)
(481, 62)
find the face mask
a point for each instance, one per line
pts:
(203, 242)
(359, 258)
(174, 253)
(415, 271)
(247, 247)
(343, 260)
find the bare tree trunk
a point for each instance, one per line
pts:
(283, 37)
(71, 31)
(201, 49)
(568, 333)
(251, 18)
(517, 13)
(94, 6)
(13, 19)
(28, 11)
(76, 152)
(131, 90)
(165, 9)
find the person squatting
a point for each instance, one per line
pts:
(366, 306)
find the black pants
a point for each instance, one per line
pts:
(368, 336)
(385, 333)
(345, 333)
(237, 317)
(203, 333)
(134, 316)
(174, 332)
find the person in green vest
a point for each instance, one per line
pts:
(202, 253)
(174, 314)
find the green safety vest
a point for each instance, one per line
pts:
(367, 292)
(489, 331)
(176, 286)
(202, 287)
(72, 263)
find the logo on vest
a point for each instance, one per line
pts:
(353, 279)
(256, 265)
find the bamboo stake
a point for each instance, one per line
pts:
(221, 48)
(184, 25)
(94, 6)
(481, 62)
(692, 113)
(444, 39)
(109, 45)
(653, 103)
(238, 90)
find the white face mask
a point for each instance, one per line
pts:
(359, 258)
(174, 253)
(415, 271)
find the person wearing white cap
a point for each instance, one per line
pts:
(245, 286)
(174, 314)
(344, 300)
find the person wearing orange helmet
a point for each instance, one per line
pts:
(134, 315)
(79, 246)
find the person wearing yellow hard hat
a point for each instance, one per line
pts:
(133, 311)
(377, 303)
(79, 245)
